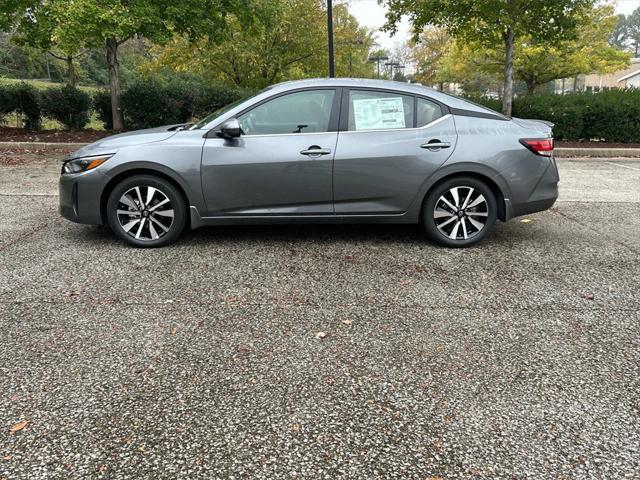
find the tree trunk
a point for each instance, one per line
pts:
(507, 94)
(71, 71)
(114, 83)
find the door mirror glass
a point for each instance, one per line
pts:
(230, 129)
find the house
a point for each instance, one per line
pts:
(626, 78)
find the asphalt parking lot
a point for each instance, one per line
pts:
(323, 351)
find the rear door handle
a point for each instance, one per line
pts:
(435, 144)
(314, 150)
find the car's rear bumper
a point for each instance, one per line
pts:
(543, 196)
(79, 197)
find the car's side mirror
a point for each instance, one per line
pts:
(230, 129)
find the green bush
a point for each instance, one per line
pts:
(610, 116)
(150, 104)
(23, 99)
(102, 106)
(173, 98)
(67, 105)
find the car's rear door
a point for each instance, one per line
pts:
(382, 158)
(281, 164)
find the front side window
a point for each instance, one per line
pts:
(379, 110)
(427, 112)
(300, 112)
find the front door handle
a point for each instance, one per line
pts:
(315, 150)
(435, 144)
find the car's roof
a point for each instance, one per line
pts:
(410, 88)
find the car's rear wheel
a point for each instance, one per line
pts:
(146, 211)
(459, 212)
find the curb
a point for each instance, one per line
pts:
(41, 144)
(597, 152)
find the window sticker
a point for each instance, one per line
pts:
(378, 113)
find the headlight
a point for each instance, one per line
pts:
(84, 164)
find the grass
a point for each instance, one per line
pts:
(43, 84)
(13, 120)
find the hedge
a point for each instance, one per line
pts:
(611, 116)
(67, 105)
(23, 99)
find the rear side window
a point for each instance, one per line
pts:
(379, 110)
(427, 112)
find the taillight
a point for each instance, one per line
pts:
(539, 146)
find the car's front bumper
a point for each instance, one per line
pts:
(79, 197)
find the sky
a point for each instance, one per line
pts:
(372, 15)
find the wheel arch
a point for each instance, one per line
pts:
(120, 176)
(487, 176)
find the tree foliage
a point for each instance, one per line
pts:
(487, 22)
(537, 62)
(285, 40)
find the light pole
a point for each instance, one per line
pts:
(332, 72)
(378, 59)
(392, 65)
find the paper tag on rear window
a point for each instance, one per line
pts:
(378, 113)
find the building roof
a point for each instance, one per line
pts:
(629, 75)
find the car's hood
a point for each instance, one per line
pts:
(137, 137)
(542, 126)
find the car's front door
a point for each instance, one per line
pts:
(281, 164)
(383, 155)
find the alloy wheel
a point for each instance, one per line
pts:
(145, 212)
(461, 213)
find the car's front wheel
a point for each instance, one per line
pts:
(459, 212)
(146, 211)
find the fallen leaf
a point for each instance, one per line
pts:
(18, 426)
(173, 330)
(526, 220)
(321, 334)
(14, 397)
(295, 427)
(126, 439)
(7, 457)
(102, 468)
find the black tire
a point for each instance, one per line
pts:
(165, 200)
(441, 229)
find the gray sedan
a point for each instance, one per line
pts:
(332, 151)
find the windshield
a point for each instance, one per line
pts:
(217, 113)
(225, 109)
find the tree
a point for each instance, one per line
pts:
(35, 28)
(488, 21)
(633, 30)
(285, 40)
(94, 23)
(538, 63)
(427, 53)
(620, 34)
